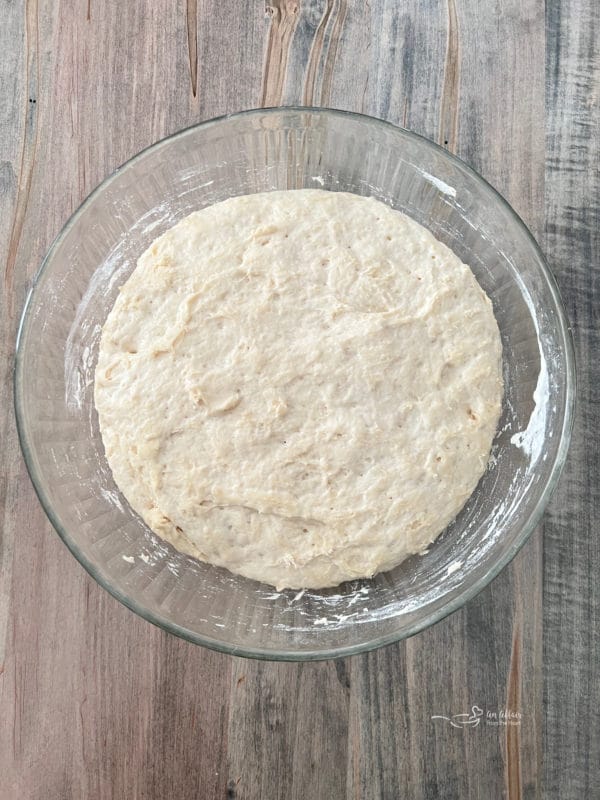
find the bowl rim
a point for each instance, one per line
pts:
(465, 594)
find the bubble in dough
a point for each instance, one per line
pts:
(300, 386)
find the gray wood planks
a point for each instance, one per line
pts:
(571, 543)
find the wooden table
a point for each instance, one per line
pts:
(96, 703)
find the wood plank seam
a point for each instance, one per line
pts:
(192, 37)
(449, 102)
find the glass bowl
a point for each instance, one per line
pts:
(257, 151)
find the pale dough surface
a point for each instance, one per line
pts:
(300, 386)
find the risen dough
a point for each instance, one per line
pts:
(300, 386)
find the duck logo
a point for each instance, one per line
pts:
(471, 720)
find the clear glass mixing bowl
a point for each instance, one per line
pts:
(258, 151)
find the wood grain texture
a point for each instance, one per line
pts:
(96, 703)
(571, 542)
(288, 730)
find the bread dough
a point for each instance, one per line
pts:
(301, 386)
